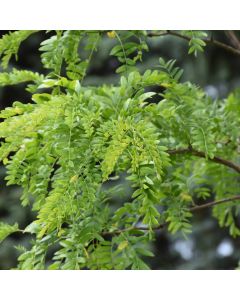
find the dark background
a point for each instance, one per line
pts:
(216, 71)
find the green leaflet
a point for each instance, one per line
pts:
(6, 230)
(118, 144)
(9, 44)
(21, 76)
(196, 42)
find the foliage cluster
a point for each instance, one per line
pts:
(63, 146)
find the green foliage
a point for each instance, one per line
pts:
(55, 52)
(129, 49)
(10, 43)
(173, 72)
(196, 42)
(21, 76)
(72, 140)
(6, 230)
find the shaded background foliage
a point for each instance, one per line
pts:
(216, 71)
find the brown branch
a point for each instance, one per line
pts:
(216, 159)
(160, 226)
(211, 204)
(233, 38)
(207, 41)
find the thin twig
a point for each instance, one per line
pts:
(211, 204)
(207, 41)
(160, 226)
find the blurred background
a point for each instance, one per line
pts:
(216, 71)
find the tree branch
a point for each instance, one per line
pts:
(233, 38)
(211, 204)
(216, 159)
(207, 41)
(160, 226)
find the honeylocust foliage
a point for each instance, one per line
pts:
(71, 139)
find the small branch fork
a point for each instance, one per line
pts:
(215, 159)
(224, 46)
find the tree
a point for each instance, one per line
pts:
(172, 145)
